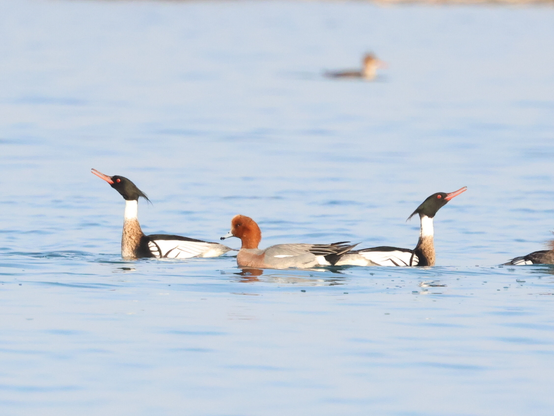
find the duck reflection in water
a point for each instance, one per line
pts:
(250, 274)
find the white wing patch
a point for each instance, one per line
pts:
(322, 261)
(395, 258)
(520, 261)
(280, 256)
(180, 249)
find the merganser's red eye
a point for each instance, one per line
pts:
(438, 196)
(118, 180)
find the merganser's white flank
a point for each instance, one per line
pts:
(424, 252)
(134, 244)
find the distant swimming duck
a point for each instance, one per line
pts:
(281, 256)
(536, 257)
(370, 63)
(134, 244)
(424, 252)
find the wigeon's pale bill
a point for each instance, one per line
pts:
(424, 252)
(370, 64)
(281, 256)
(134, 244)
(536, 257)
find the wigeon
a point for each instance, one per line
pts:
(281, 256)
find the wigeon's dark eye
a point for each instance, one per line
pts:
(439, 196)
(118, 180)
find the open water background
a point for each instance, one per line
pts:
(219, 108)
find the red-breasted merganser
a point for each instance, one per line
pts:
(134, 244)
(370, 63)
(424, 252)
(281, 256)
(536, 257)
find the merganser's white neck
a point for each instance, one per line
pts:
(132, 234)
(425, 248)
(427, 229)
(131, 210)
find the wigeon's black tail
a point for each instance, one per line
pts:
(332, 252)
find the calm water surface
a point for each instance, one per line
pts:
(220, 108)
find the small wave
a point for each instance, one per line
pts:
(66, 254)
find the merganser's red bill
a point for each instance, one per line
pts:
(102, 176)
(451, 195)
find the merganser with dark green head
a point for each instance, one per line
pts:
(134, 244)
(424, 252)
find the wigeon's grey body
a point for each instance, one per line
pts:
(370, 64)
(281, 256)
(134, 244)
(424, 252)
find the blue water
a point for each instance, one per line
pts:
(220, 108)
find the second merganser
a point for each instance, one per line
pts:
(536, 257)
(134, 244)
(424, 252)
(370, 64)
(281, 256)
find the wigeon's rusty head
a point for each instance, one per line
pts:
(246, 229)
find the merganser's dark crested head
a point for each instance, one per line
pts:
(124, 186)
(431, 205)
